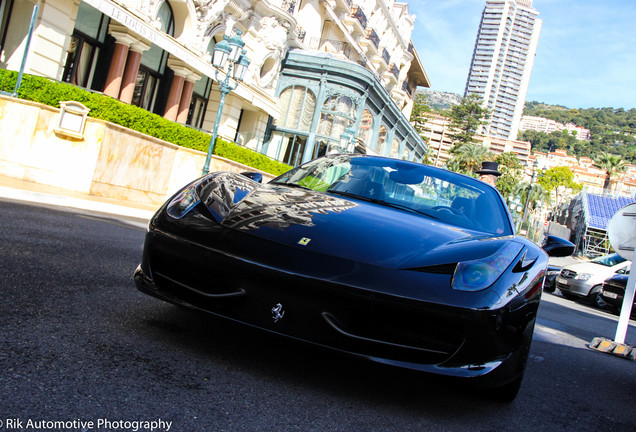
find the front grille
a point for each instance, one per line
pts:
(568, 273)
(243, 290)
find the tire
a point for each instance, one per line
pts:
(568, 296)
(506, 393)
(595, 299)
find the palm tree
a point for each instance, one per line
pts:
(612, 164)
(467, 157)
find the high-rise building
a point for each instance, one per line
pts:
(502, 62)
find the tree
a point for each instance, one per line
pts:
(466, 118)
(559, 179)
(420, 107)
(511, 171)
(538, 194)
(612, 164)
(467, 158)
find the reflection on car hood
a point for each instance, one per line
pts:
(346, 228)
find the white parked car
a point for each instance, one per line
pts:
(585, 279)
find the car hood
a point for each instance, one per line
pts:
(351, 229)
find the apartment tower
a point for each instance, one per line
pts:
(502, 62)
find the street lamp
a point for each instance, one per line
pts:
(525, 206)
(229, 48)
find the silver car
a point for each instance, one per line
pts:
(585, 279)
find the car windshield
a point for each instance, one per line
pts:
(609, 260)
(435, 193)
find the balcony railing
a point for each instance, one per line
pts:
(301, 33)
(336, 47)
(373, 37)
(407, 89)
(358, 14)
(331, 46)
(386, 56)
(289, 6)
(395, 71)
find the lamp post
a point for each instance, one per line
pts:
(229, 48)
(525, 206)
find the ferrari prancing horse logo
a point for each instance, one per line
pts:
(304, 241)
(277, 312)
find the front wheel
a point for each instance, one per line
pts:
(506, 393)
(595, 298)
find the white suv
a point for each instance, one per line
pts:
(585, 279)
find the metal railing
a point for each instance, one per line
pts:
(289, 6)
(372, 35)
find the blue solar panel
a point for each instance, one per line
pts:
(601, 209)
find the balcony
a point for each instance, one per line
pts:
(407, 89)
(395, 71)
(356, 21)
(289, 6)
(371, 42)
(342, 49)
(386, 57)
(300, 33)
(343, 6)
(372, 36)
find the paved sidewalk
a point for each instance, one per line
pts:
(20, 190)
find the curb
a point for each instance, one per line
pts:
(608, 346)
(76, 203)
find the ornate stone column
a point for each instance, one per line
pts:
(124, 39)
(132, 69)
(180, 90)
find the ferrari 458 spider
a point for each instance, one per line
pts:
(397, 262)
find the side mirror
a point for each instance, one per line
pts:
(256, 176)
(557, 247)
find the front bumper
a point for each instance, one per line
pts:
(573, 286)
(333, 312)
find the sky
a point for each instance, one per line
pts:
(586, 57)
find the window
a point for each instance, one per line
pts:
(337, 115)
(380, 145)
(200, 96)
(153, 66)
(365, 132)
(298, 105)
(87, 56)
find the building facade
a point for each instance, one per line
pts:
(324, 74)
(502, 62)
(542, 124)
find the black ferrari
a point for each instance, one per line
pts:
(397, 262)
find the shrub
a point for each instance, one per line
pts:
(45, 91)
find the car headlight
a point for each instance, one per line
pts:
(479, 274)
(583, 276)
(553, 272)
(183, 202)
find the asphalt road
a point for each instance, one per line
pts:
(79, 344)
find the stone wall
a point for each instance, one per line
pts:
(109, 161)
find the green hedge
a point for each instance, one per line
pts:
(45, 91)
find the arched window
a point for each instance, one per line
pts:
(381, 144)
(405, 154)
(337, 114)
(365, 132)
(298, 105)
(395, 149)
